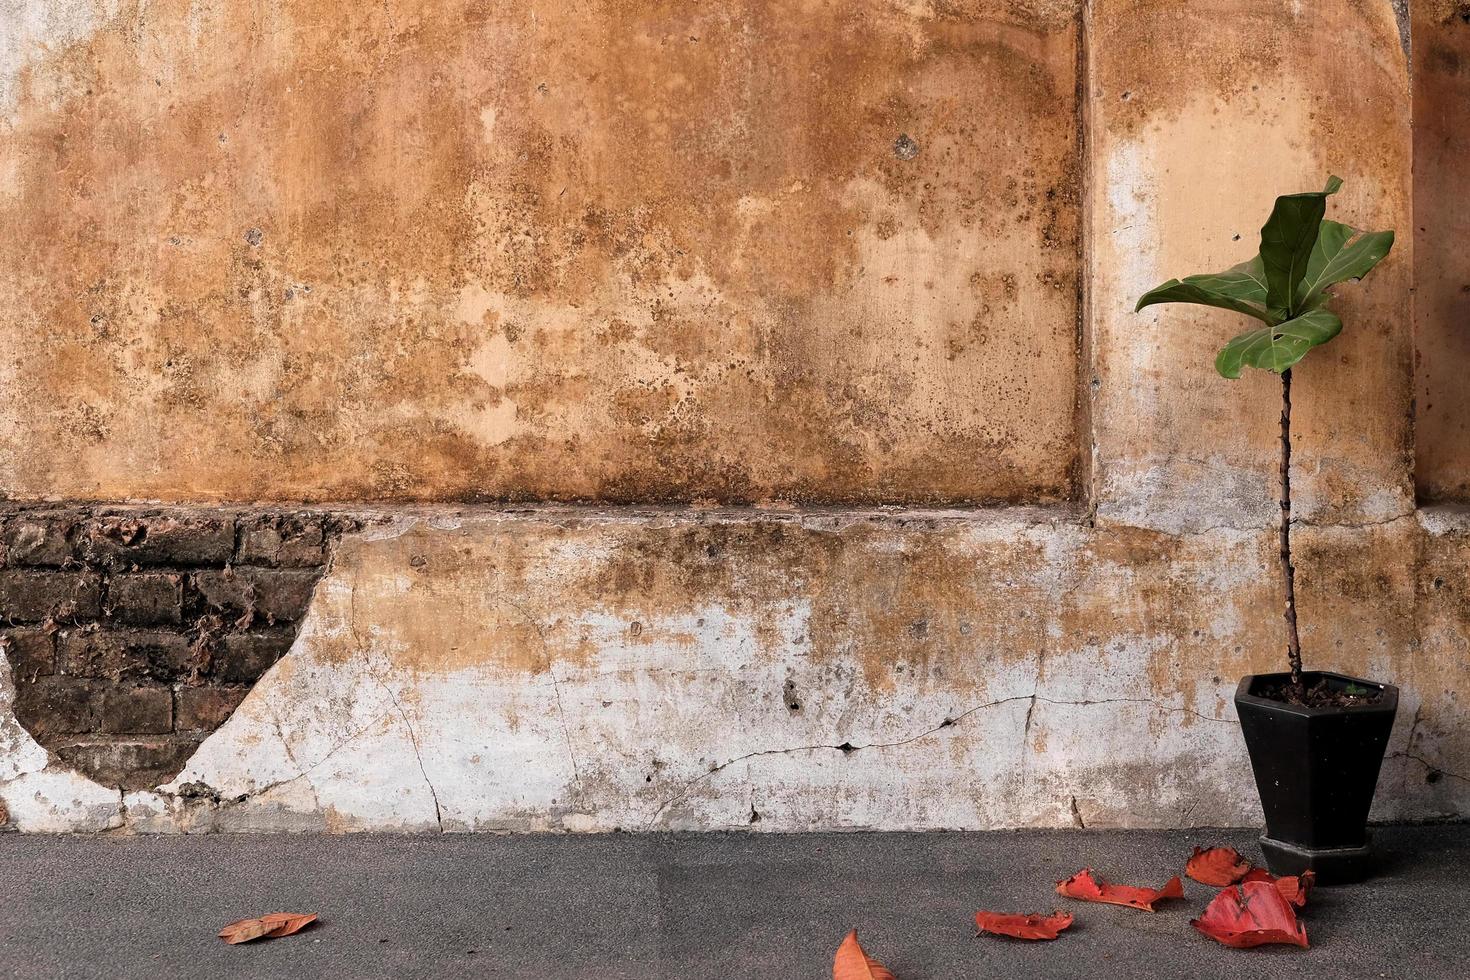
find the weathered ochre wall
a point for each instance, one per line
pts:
(469, 250)
(679, 254)
(1203, 113)
(1441, 256)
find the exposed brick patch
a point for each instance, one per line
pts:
(129, 763)
(248, 655)
(203, 709)
(29, 596)
(127, 540)
(136, 710)
(37, 542)
(134, 656)
(30, 650)
(250, 594)
(145, 598)
(133, 634)
(57, 706)
(283, 541)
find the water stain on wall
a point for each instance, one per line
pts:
(622, 251)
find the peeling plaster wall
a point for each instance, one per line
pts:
(652, 254)
(580, 671)
(617, 251)
(1442, 263)
(1191, 143)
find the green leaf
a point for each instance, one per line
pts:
(1241, 288)
(1276, 348)
(1287, 240)
(1341, 253)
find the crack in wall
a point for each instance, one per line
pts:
(847, 748)
(1431, 767)
(413, 739)
(566, 730)
(195, 791)
(291, 756)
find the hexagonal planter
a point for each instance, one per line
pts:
(1316, 770)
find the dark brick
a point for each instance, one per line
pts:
(31, 652)
(39, 539)
(124, 654)
(294, 542)
(131, 764)
(136, 711)
(144, 598)
(248, 655)
(159, 540)
(272, 594)
(52, 705)
(206, 708)
(31, 596)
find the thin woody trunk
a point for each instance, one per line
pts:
(1288, 570)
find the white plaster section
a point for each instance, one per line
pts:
(716, 715)
(1075, 681)
(1178, 494)
(31, 29)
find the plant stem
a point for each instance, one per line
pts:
(1288, 570)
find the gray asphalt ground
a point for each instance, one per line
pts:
(694, 907)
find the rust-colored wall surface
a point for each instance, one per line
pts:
(461, 250)
(1192, 140)
(642, 253)
(1442, 260)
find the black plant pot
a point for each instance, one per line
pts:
(1316, 770)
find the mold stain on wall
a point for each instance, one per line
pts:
(622, 251)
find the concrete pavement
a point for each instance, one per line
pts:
(693, 907)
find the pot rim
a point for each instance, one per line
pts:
(1387, 704)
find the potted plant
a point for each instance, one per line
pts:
(1316, 738)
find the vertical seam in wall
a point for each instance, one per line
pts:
(1086, 368)
(1405, 17)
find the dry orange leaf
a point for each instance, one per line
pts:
(852, 963)
(1293, 888)
(1033, 926)
(1084, 886)
(272, 926)
(1253, 913)
(1218, 866)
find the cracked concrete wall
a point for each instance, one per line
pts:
(598, 671)
(811, 662)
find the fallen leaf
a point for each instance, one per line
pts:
(1218, 866)
(1084, 886)
(852, 963)
(1293, 888)
(1251, 914)
(1033, 926)
(272, 926)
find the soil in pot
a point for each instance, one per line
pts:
(1321, 694)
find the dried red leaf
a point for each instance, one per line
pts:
(1251, 914)
(1218, 866)
(852, 963)
(1033, 926)
(1293, 888)
(271, 926)
(1084, 886)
